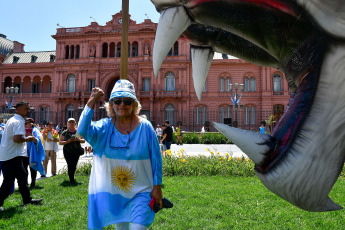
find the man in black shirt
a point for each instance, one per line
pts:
(167, 135)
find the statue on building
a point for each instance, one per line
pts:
(147, 49)
(92, 51)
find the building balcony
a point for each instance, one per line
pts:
(170, 94)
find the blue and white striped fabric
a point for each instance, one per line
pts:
(121, 178)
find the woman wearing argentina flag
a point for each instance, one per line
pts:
(127, 163)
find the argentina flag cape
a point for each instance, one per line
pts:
(121, 178)
(36, 152)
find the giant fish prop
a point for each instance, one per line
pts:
(303, 157)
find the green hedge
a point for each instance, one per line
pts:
(203, 138)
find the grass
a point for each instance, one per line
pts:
(200, 202)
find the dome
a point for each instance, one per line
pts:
(6, 45)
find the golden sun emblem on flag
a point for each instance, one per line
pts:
(123, 178)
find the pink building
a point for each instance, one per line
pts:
(58, 83)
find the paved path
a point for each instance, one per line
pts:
(189, 150)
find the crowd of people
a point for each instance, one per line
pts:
(26, 146)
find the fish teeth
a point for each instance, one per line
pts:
(172, 23)
(201, 63)
(254, 145)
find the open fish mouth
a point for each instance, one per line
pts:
(305, 41)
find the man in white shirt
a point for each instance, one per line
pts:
(159, 132)
(12, 151)
(50, 137)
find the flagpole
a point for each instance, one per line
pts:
(124, 41)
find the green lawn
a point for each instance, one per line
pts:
(205, 202)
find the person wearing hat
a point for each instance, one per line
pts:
(51, 138)
(127, 165)
(71, 140)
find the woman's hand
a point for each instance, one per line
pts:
(96, 95)
(157, 194)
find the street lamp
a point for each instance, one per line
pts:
(235, 98)
(11, 93)
(32, 112)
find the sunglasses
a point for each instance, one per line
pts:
(126, 101)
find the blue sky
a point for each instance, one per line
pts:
(33, 22)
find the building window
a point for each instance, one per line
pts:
(77, 55)
(176, 49)
(135, 49)
(197, 115)
(204, 115)
(118, 50)
(246, 84)
(253, 116)
(47, 114)
(52, 58)
(146, 84)
(129, 49)
(112, 49)
(72, 52)
(246, 115)
(227, 83)
(41, 115)
(66, 52)
(277, 82)
(205, 87)
(35, 87)
(169, 81)
(70, 112)
(91, 84)
(169, 113)
(221, 84)
(105, 50)
(252, 84)
(50, 87)
(170, 52)
(146, 113)
(33, 59)
(228, 111)
(71, 83)
(221, 114)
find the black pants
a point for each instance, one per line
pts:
(72, 161)
(14, 169)
(33, 172)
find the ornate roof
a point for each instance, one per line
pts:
(30, 57)
(6, 45)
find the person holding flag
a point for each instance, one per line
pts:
(35, 151)
(127, 165)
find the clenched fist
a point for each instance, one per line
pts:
(96, 95)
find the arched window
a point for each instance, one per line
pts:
(135, 49)
(246, 84)
(70, 111)
(66, 52)
(277, 82)
(118, 49)
(72, 51)
(227, 83)
(129, 49)
(169, 113)
(112, 49)
(176, 49)
(253, 115)
(170, 52)
(169, 81)
(204, 114)
(221, 114)
(197, 115)
(105, 50)
(77, 55)
(221, 85)
(252, 84)
(205, 87)
(246, 115)
(71, 83)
